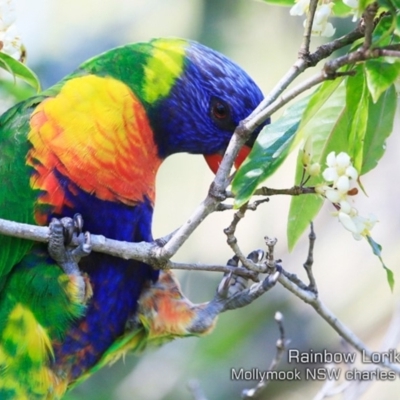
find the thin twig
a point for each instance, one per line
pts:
(305, 46)
(232, 241)
(329, 48)
(310, 260)
(250, 206)
(270, 243)
(301, 64)
(293, 191)
(359, 55)
(390, 53)
(281, 345)
(214, 268)
(369, 18)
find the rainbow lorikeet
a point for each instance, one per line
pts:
(92, 144)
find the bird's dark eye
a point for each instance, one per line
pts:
(221, 114)
(219, 110)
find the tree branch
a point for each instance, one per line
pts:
(142, 251)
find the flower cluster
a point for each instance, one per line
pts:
(10, 41)
(321, 26)
(340, 173)
(338, 187)
(340, 176)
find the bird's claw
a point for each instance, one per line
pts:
(232, 283)
(62, 232)
(71, 226)
(233, 291)
(84, 248)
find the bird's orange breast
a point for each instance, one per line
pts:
(95, 133)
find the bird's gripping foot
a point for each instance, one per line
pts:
(233, 292)
(62, 231)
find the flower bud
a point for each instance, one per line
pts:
(314, 169)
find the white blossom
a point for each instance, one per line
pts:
(339, 166)
(351, 172)
(300, 7)
(345, 207)
(330, 174)
(343, 184)
(333, 195)
(340, 174)
(328, 30)
(343, 160)
(321, 26)
(7, 14)
(10, 40)
(359, 226)
(354, 5)
(351, 3)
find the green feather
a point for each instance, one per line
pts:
(17, 198)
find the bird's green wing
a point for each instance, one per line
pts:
(17, 198)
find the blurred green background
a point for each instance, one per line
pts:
(60, 34)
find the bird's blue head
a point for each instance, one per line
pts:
(210, 95)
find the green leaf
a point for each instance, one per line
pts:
(302, 208)
(17, 69)
(19, 92)
(396, 4)
(384, 34)
(380, 125)
(380, 75)
(386, 4)
(328, 129)
(285, 3)
(377, 250)
(340, 9)
(318, 99)
(357, 102)
(269, 151)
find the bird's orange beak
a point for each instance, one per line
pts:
(213, 160)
